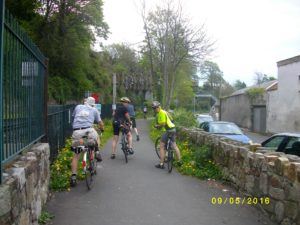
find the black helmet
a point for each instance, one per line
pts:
(155, 104)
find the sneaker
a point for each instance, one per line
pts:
(113, 156)
(73, 181)
(98, 156)
(137, 137)
(160, 166)
(131, 152)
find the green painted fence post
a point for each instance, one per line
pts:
(2, 13)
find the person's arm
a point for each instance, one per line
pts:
(101, 125)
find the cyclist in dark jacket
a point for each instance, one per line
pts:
(121, 115)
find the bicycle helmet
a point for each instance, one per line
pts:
(90, 101)
(125, 99)
(155, 104)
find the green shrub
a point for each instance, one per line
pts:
(197, 161)
(184, 118)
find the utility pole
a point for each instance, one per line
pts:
(114, 91)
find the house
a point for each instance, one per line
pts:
(283, 108)
(246, 110)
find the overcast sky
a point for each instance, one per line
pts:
(251, 35)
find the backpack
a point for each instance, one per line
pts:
(170, 116)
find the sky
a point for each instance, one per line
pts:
(251, 35)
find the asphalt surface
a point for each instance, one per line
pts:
(137, 193)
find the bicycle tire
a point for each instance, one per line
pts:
(157, 147)
(170, 160)
(124, 148)
(90, 170)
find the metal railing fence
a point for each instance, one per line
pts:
(59, 127)
(22, 80)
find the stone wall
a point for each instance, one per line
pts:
(274, 175)
(25, 187)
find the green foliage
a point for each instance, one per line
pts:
(239, 85)
(61, 168)
(197, 162)
(255, 92)
(65, 33)
(184, 118)
(45, 218)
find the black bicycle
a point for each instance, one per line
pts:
(169, 157)
(125, 128)
(89, 163)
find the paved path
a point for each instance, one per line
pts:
(139, 194)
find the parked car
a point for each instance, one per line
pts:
(203, 118)
(226, 129)
(288, 143)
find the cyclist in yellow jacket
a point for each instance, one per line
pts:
(163, 121)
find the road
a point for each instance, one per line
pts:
(256, 137)
(137, 193)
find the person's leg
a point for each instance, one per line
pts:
(129, 137)
(116, 130)
(162, 151)
(175, 147)
(74, 163)
(114, 144)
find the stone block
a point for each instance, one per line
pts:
(290, 209)
(275, 181)
(291, 171)
(243, 152)
(292, 192)
(279, 211)
(263, 183)
(5, 200)
(271, 206)
(276, 193)
(280, 165)
(249, 185)
(286, 221)
(270, 158)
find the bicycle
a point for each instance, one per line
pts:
(89, 163)
(169, 157)
(125, 128)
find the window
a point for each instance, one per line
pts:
(274, 142)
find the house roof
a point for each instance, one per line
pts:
(268, 86)
(288, 61)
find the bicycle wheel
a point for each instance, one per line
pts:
(170, 159)
(157, 147)
(90, 169)
(125, 147)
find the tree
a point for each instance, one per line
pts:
(171, 39)
(239, 85)
(260, 78)
(64, 31)
(212, 76)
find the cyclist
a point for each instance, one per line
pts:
(131, 112)
(163, 121)
(84, 117)
(145, 112)
(121, 115)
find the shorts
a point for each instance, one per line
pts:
(133, 122)
(117, 128)
(92, 135)
(171, 133)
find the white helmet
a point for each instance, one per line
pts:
(90, 101)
